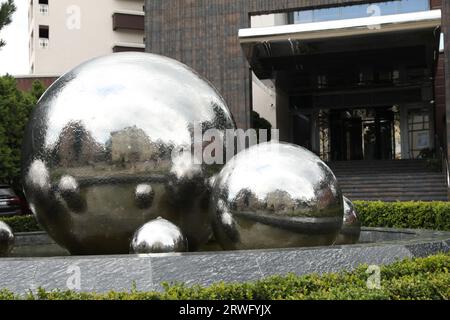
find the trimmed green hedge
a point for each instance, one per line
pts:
(22, 223)
(412, 215)
(421, 279)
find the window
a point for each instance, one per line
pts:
(43, 7)
(44, 34)
(419, 132)
(360, 11)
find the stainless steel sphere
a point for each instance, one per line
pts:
(276, 195)
(109, 146)
(6, 239)
(158, 236)
(351, 228)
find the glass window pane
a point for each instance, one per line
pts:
(303, 16)
(327, 14)
(361, 11)
(352, 12)
(406, 6)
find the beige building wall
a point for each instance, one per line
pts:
(79, 30)
(264, 95)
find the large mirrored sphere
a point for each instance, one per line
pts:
(276, 195)
(351, 228)
(158, 236)
(108, 148)
(6, 239)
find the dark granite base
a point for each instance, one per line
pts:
(105, 273)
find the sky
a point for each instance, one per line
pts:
(14, 56)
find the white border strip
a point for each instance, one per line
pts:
(338, 25)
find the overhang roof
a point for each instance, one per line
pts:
(400, 30)
(347, 27)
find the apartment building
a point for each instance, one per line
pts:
(64, 33)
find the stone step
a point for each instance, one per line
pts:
(366, 190)
(397, 174)
(384, 172)
(394, 199)
(378, 162)
(409, 195)
(403, 180)
(365, 182)
(421, 166)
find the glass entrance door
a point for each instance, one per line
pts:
(362, 134)
(378, 135)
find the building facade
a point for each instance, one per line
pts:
(348, 79)
(65, 33)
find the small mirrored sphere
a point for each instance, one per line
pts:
(6, 239)
(276, 195)
(351, 228)
(158, 236)
(109, 147)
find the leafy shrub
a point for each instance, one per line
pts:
(420, 278)
(22, 223)
(412, 215)
(15, 109)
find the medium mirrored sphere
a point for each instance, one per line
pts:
(158, 236)
(351, 228)
(276, 195)
(109, 147)
(6, 239)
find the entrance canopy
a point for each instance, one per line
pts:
(280, 48)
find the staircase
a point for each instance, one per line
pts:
(392, 180)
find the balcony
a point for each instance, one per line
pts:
(43, 43)
(43, 9)
(128, 21)
(128, 48)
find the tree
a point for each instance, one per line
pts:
(259, 123)
(7, 9)
(15, 109)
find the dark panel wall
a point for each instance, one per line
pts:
(446, 30)
(204, 35)
(439, 92)
(439, 98)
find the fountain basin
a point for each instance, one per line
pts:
(378, 246)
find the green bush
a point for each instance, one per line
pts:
(412, 215)
(419, 279)
(15, 109)
(22, 223)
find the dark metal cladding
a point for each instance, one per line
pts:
(6, 239)
(276, 195)
(351, 228)
(158, 236)
(108, 148)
